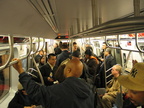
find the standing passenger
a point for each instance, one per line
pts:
(48, 70)
(57, 49)
(75, 47)
(91, 61)
(109, 63)
(71, 93)
(63, 55)
(102, 52)
(39, 55)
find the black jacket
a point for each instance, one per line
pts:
(62, 56)
(71, 93)
(57, 50)
(110, 62)
(93, 65)
(45, 71)
(20, 100)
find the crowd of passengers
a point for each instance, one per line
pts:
(53, 67)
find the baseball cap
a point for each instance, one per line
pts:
(134, 80)
(89, 52)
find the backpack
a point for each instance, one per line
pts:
(65, 61)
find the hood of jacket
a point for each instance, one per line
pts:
(78, 87)
(65, 53)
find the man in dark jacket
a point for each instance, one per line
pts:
(49, 69)
(71, 93)
(109, 62)
(57, 49)
(63, 55)
(39, 55)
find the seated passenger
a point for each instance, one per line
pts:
(41, 61)
(113, 87)
(134, 82)
(21, 99)
(71, 93)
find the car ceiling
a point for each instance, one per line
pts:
(22, 17)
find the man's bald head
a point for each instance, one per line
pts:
(73, 68)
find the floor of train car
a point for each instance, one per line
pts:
(5, 103)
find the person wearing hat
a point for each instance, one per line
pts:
(91, 61)
(21, 99)
(134, 82)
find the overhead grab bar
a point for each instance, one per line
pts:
(111, 27)
(118, 39)
(127, 60)
(37, 47)
(120, 48)
(41, 78)
(30, 38)
(136, 41)
(43, 43)
(10, 39)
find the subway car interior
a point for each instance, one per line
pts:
(28, 26)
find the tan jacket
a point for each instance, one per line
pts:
(113, 87)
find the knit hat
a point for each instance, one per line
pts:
(76, 54)
(134, 80)
(89, 52)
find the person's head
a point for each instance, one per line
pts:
(88, 53)
(41, 52)
(74, 43)
(88, 46)
(55, 45)
(104, 45)
(59, 74)
(107, 52)
(73, 68)
(116, 70)
(75, 47)
(134, 82)
(42, 60)
(20, 88)
(76, 54)
(64, 46)
(51, 59)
